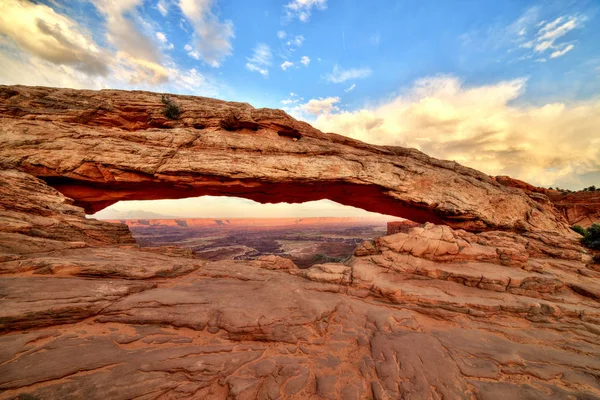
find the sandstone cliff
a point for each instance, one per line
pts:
(578, 208)
(509, 308)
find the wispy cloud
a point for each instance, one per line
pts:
(305, 60)
(213, 37)
(547, 35)
(302, 9)
(351, 88)
(260, 60)
(163, 7)
(339, 75)
(564, 50)
(528, 37)
(281, 34)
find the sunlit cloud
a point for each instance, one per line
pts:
(479, 127)
(50, 36)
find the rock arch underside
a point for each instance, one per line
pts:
(491, 297)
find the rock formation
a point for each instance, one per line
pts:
(101, 147)
(578, 208)
(492, 297)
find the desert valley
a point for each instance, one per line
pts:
(305, 241)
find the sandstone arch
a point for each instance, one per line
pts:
(99, 147)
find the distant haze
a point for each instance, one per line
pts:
(227, 207)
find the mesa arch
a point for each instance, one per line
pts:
(99, 147)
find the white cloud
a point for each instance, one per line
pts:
(295, 42)
(305, 60)
(161, 37)
(340, 75)
(477, 126)
(351, 88)
(260, 60)
(549, 33)
(50, 36)
(162, 7)
(213, 37)
(286, 64)
(302, 9)
(562, 52)
(281, 34)
(527, 38)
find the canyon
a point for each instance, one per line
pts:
(487, 293)
(305, 241)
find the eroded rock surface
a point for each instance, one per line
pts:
(579, 208)
(430, 312)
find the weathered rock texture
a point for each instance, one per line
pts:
(578, 208)
(98, 147)
(430, 312)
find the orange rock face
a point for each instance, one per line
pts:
(507, 309)
(99, 147)
(579, 208)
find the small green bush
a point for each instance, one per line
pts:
(171, 109)
(579, 229)
(592, 237)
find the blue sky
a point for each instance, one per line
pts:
(508, 87)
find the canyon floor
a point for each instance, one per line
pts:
(305, 241)
(489, 296)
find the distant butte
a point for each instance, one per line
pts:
(487, 295)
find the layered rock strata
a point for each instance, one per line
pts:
(99, 147)
(429, 312)
(578, 208)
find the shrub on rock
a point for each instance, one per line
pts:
(579, 229)
(592, 237)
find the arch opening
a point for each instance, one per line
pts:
(232, 228)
